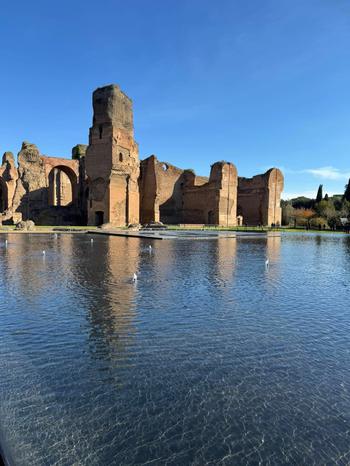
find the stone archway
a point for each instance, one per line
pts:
(63, 190)
(3, 196)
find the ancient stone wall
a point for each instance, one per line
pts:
(214, 202)
(8, 180)
(111, 161)
(47, 188)
(174, 196)
(161, 193)
(259, 198)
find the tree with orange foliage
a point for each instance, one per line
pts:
(304, 215)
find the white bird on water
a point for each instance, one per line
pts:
(44, 252)
(91, 241)
(150, 248)
(6, 243)
(267, 263)
(134, 277)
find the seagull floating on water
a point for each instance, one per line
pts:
(267, 263)
(44, 252)
(134, 277)
(92, 240)
(6, 243)
(150, 248)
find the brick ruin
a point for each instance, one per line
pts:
(176, 196)
(105, 182)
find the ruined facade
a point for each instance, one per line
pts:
(43, 189)
(176, 196)
(259, 198)
(105, 182)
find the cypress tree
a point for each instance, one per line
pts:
(326, 197)
(319, 194)
(346, 196)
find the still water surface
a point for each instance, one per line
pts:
(209, 359)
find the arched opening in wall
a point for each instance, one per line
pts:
(120, 157)
(99, 217)
(210, 217)
(3, 196)
(62, 186)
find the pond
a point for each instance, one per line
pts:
(210, 357)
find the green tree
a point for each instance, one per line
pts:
(302, 202)
(319, 196)
(345, 209)
(325, 209)
(346, 196)
(326, 198)
(287, 213)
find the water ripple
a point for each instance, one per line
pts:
(210, 358)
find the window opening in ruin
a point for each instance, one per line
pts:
(100, 129)
(120, 157)
(99, 217)
(210, 217)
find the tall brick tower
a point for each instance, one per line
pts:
(112, 160)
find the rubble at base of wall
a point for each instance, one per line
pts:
(134, 227)
(10, 218)
(25, 225)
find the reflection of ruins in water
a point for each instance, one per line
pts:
(226, 258)
(96, 275)
(273, 254)
(273, 247)
(111, 295)
(30, 273)
(181, 268)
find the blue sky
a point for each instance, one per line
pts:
(260, 83)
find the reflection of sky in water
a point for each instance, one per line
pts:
(209, 357)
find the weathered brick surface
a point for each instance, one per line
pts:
(259, 198)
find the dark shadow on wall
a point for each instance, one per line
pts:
(171, 211)
(34, 206)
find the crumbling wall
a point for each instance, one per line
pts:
(41, 180)
(214, 202)
(8, 180)
(31, 194)
(161, 191)
(149, 208)
(259, 198)
(173, 196)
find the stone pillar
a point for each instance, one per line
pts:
(112, 160)
(227, 195)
